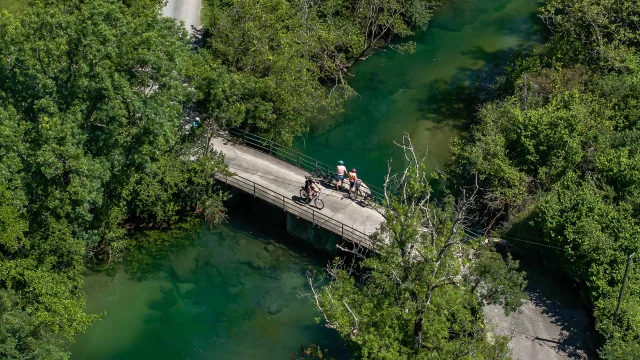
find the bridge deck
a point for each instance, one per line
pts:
(274, 176)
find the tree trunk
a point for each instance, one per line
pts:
(417, 334)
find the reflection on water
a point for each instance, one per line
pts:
(228, 295)
(432, 94)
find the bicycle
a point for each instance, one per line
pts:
(360, 190)
(324, 176)
(317, 202)
(355, 191)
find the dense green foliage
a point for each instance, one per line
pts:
(13, 6)
(421, 295)
(602, 33)
(288, 60)
(91, 103)
(559, 157)
(95, 139)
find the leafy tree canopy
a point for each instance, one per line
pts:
(288, 60)
(421, 295)
(558, 157)
(91, 104)
(605, 33)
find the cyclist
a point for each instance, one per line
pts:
(341, 170)
(352, 179)
(311, 188)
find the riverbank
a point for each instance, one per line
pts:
(217, 293)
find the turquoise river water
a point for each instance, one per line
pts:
(234, 292)
(431, 94)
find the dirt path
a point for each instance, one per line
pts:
(553, 324)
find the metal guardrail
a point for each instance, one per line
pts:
(287, 204)
(292, 157)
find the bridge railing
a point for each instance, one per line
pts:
(293, 157)
(301, 210)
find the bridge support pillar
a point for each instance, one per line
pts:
(315, 236)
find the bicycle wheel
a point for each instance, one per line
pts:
(366, 199)
(319, 203)
(328, 179)
(304, 195)
(353, 194)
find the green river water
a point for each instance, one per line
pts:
(234, 292)
(431, 94)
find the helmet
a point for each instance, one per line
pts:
(340, 162)
(353, 170)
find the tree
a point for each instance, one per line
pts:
(421, 294)
(267, 53)
(21, 336)
(380, 20)
(558, 163)
(91, 102)
(601, 33)
(285, 61)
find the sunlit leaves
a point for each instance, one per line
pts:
(91, 103)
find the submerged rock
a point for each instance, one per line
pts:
(263, 256)
(270, 248)
(184, 262)
(185, 287)
(292, 281)
(275, 308)
(256, 264)
(234, 290)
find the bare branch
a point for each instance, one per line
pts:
(317, 299)
(354, 329)
(357, 251)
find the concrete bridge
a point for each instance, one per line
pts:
(276, 175)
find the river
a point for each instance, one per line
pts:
(432, 94)
(233, 292)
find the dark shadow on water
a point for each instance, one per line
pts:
(530, 28)
(455, 103)
(449, 104)
(239, 272)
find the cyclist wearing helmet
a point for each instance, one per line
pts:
(352, 178)
(340, 172)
